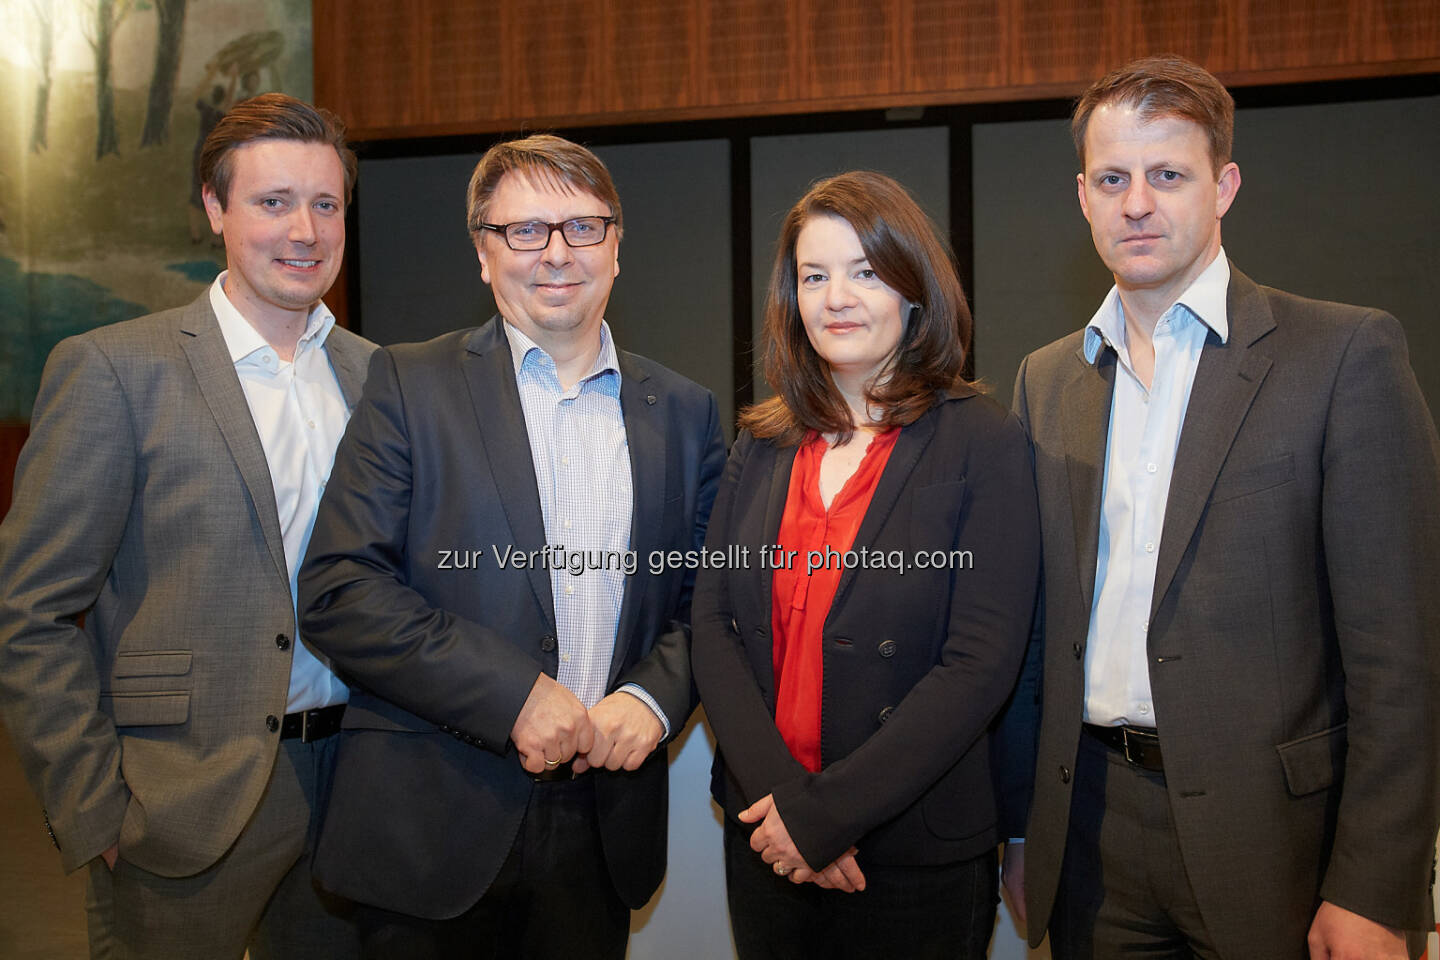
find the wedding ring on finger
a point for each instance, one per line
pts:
(552, 763)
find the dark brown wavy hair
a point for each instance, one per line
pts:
(907, 252)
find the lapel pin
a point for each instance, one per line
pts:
(650, 399)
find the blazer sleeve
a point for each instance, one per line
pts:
(1381, 526)
(357, 607)
(73, 488)
(665, 672)
(754, 752)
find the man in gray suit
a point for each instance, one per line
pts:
(1237, 737)
(179, 739)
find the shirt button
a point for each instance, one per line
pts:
(310, 424)
(267, 359)
(1150, 546)
(565, 461)
(565, 657)
(569, 589)
(1144, 710)
(567, 524)
(1149, 468)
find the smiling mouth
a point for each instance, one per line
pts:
(301, 264)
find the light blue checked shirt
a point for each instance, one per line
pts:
(582, 468)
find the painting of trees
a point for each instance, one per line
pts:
(169, 32)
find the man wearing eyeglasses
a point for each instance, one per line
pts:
(501, 782)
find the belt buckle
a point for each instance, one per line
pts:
(1135, 758)
(305, 725)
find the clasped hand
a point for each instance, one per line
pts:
(772, 841)
(553, 726)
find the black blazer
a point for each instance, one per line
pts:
(428, 792)
(917, 661)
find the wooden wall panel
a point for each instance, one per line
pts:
(556, 58)
(1202, 30)
(955, 41)
(465, 64)
(1299, 33)
(1401, 30)
(651, 54)
(747, 52)
(437, 67)
(851, 47)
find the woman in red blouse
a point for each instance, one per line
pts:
(852, 666)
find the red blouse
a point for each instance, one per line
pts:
(801, 601)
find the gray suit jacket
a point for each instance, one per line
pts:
(143, 501)
(1293, 627)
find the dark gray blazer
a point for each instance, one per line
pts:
(917, 661)
(429, 793)
(143, 500)
(1292, 640)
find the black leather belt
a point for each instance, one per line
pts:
(1140, 746)
(312, 725)
(559, 772)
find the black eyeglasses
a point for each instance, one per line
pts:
(535, 234)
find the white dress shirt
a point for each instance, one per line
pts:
(1140, 455)
(581, 455)
(300, 414)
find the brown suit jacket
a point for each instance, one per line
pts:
(1293, 627)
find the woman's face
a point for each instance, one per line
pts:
(853, 318)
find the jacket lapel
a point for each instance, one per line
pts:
(893, 481)
(644, 412)
(1085, 418)
(349, 362)
(204, 346)
(1225, 385)
(500, 424)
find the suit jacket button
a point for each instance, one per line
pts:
(1079, 649)
(547, 643)
(1064, 773)
(887, 649)
(271, 723)
(884, 714)
(282, 641)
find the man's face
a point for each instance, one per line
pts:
(1152, 198)
(284, 226)
(556, 293)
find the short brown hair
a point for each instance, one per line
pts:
(1164, 86)
(544, 158)
(270, 116)
(907, 252)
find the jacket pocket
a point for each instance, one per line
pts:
(1242, 482)
(1313, 762)
(164, 663)
(146, 709)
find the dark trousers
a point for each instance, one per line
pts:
(552, 900)
(1123, 887)
(259, 895)
(919, 913)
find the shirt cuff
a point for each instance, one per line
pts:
(638, 692)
